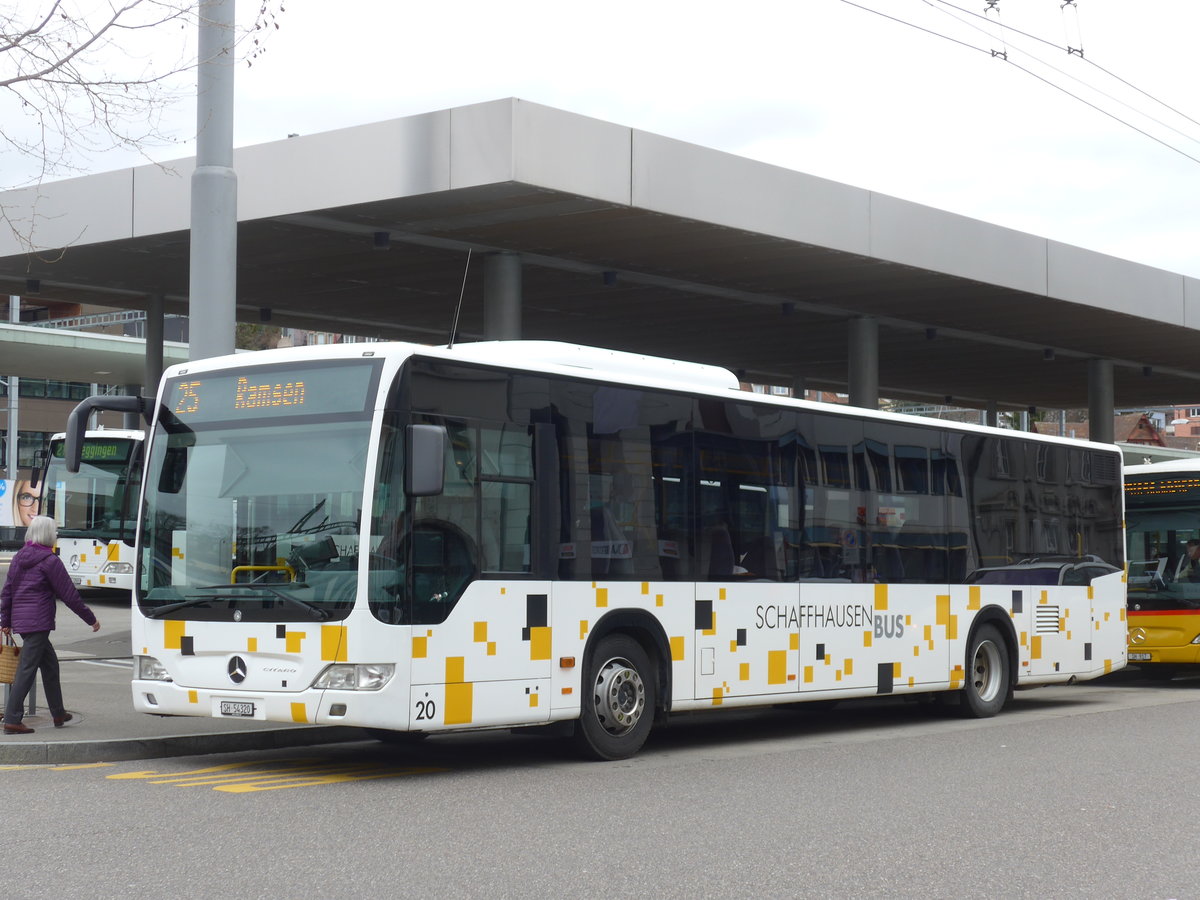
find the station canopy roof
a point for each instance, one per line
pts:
(628, 240)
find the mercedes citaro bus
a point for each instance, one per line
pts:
(424, 539)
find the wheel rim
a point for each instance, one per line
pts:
(985, 671)
(620, 697)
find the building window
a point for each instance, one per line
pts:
(38, 388)
(29, 445)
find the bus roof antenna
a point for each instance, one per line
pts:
(458, 308)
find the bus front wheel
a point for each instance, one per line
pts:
(988, 682)
(618, 700)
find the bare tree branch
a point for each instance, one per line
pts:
(79, 77)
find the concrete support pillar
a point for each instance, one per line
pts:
(1101, 400)
(990, 415)
(130, 421)
(863, 359)
(154, 347)
(502, 297)
(14, 400)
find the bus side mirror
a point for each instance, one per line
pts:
(39, 465)
(424, 471)
(77, 421)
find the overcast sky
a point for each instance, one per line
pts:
(819, 86)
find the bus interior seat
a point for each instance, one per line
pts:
(889, 567)
(606, 530)
(761, 559)
(720, 557)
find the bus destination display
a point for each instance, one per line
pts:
(94, 450)
(268, 393)
(1164, 488)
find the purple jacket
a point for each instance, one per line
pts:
(35, 577)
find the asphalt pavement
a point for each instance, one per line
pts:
(97, 670)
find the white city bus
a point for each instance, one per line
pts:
(420, 539)
(96, 507)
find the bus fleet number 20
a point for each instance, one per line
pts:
(426, 710)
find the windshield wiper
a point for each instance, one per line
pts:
(308, 515)
(316, 611)
(161, 611)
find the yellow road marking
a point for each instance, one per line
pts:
(272, 775)
(251, 777)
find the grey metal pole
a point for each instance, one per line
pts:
(213, 272)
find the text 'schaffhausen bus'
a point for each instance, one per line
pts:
(418, 539)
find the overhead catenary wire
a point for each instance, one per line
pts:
(1007, 58)
(1071, 18)
(1066, 48)
(1053, 68)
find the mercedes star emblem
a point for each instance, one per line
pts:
(1137, 635)
(237, 670)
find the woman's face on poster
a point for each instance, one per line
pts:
(25, 503)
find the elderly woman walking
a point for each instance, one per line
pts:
(35, 577)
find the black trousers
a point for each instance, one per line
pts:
(37, 655)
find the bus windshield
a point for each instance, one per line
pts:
(1161, 522)
(100, 500)
(255, 515)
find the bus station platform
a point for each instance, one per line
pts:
(97, 668)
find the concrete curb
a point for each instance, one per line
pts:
(15, 750)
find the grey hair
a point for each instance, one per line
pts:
(42, 530)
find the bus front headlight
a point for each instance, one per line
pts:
(118, 568)
(150, 669)
(361, 677)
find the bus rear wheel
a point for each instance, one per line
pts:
(989, 681)
(617, 706)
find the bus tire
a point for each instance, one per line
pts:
(618, 702)
(989, 682)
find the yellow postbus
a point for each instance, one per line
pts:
(1162, 519)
